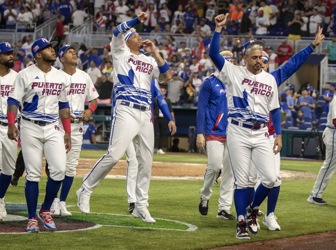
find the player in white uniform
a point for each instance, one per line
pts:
(131, 118)
(253, 95)
(131, 156)
(41, 90)
(81, 89)
(329, 165)
(8, 148)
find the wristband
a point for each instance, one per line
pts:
(164, 68)
(313, 46)
(11, 117)
(334, 122)
(66, 125)
(92, 107)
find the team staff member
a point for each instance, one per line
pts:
(253, 95)
(132, 180)
(211, 131)
(41, 91)
(81, 89)
(131, 117)
(8, 148)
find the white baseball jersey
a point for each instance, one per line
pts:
(254, 97)
(132, 73)
(40, 93)
(8, 148)
(6, 86)
(81, 88)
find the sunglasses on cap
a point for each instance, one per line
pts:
(228, 58)
(265, 59)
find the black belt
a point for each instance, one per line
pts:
(253, 126)
(135, 105)
(4, 123)
(40, 123)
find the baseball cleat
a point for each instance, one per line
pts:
(47, 220)
(32, 226)
(131, 207)
(63, 210)
(271, 223)
(251, 220)
(3, 212)
(143, 214)
(317, 201)
(55, 207)
(242, 233)
(260, 213)
(225, 215)
(203, 207)
(83, 201)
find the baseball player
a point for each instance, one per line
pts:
(81, 89)
(211, 132)
(131, 156)
(281, 75)
(41, 91)
(8, 148)
(131, 117)
(253, 95)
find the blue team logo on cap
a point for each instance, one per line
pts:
(5, 47)
(40, 44)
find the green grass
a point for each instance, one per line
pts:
(176, 200)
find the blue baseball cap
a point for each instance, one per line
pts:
(66, 47)
(310, 88)
(5, 47)
(41, 44)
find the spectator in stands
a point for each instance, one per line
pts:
(275, 15)
(273, 59)
(89, 132)
(267, 10)
(262, 23)
(206, 62)
(295, 26)
(174, 89)
(59, 33)
(37, 12)
(284, 51)
(237, 47)
(161, 123)
(246, 23)
(78, 17)
(108, 68)
(205, 28)
(190, 20)
(195, 65)
(330, 50)
(65, 9)
(10, 15)
(290, 102)
(165, 12)
(18, 65)
(106, 56)
(24, 19)
(299, 119)
(178, 16)
(26, 46)
(304, 27)
(288, 9)
(20, 52)
(236, 12)
(328, 96)
(189, 91)
(306, 104)
(210, 14)
(139, 7)
(28, 61)
(93, 55)
(100, 22)
(151, 21)
(315, 21)
(104, 88)
(180, 29)
(94, 72)
(284, 105)
(120, 11)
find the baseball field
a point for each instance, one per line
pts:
(174, 198)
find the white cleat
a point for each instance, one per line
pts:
(55, 207)
(271, 223)
(64, 211)
(3, 212)
(143, 214)
(83, 200)
(160, 152)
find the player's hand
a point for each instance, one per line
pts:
(221, 20)
(277, 144)
(149, 46)
(319, 37)
(142, 16)
(86, 115)
(13, 132)
(172, 127)
(67, 142)
(200, 141)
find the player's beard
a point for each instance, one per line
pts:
(9, 63)
(48, 59)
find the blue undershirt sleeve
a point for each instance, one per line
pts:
(214, 54)
(276, 119)
(125, 26)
